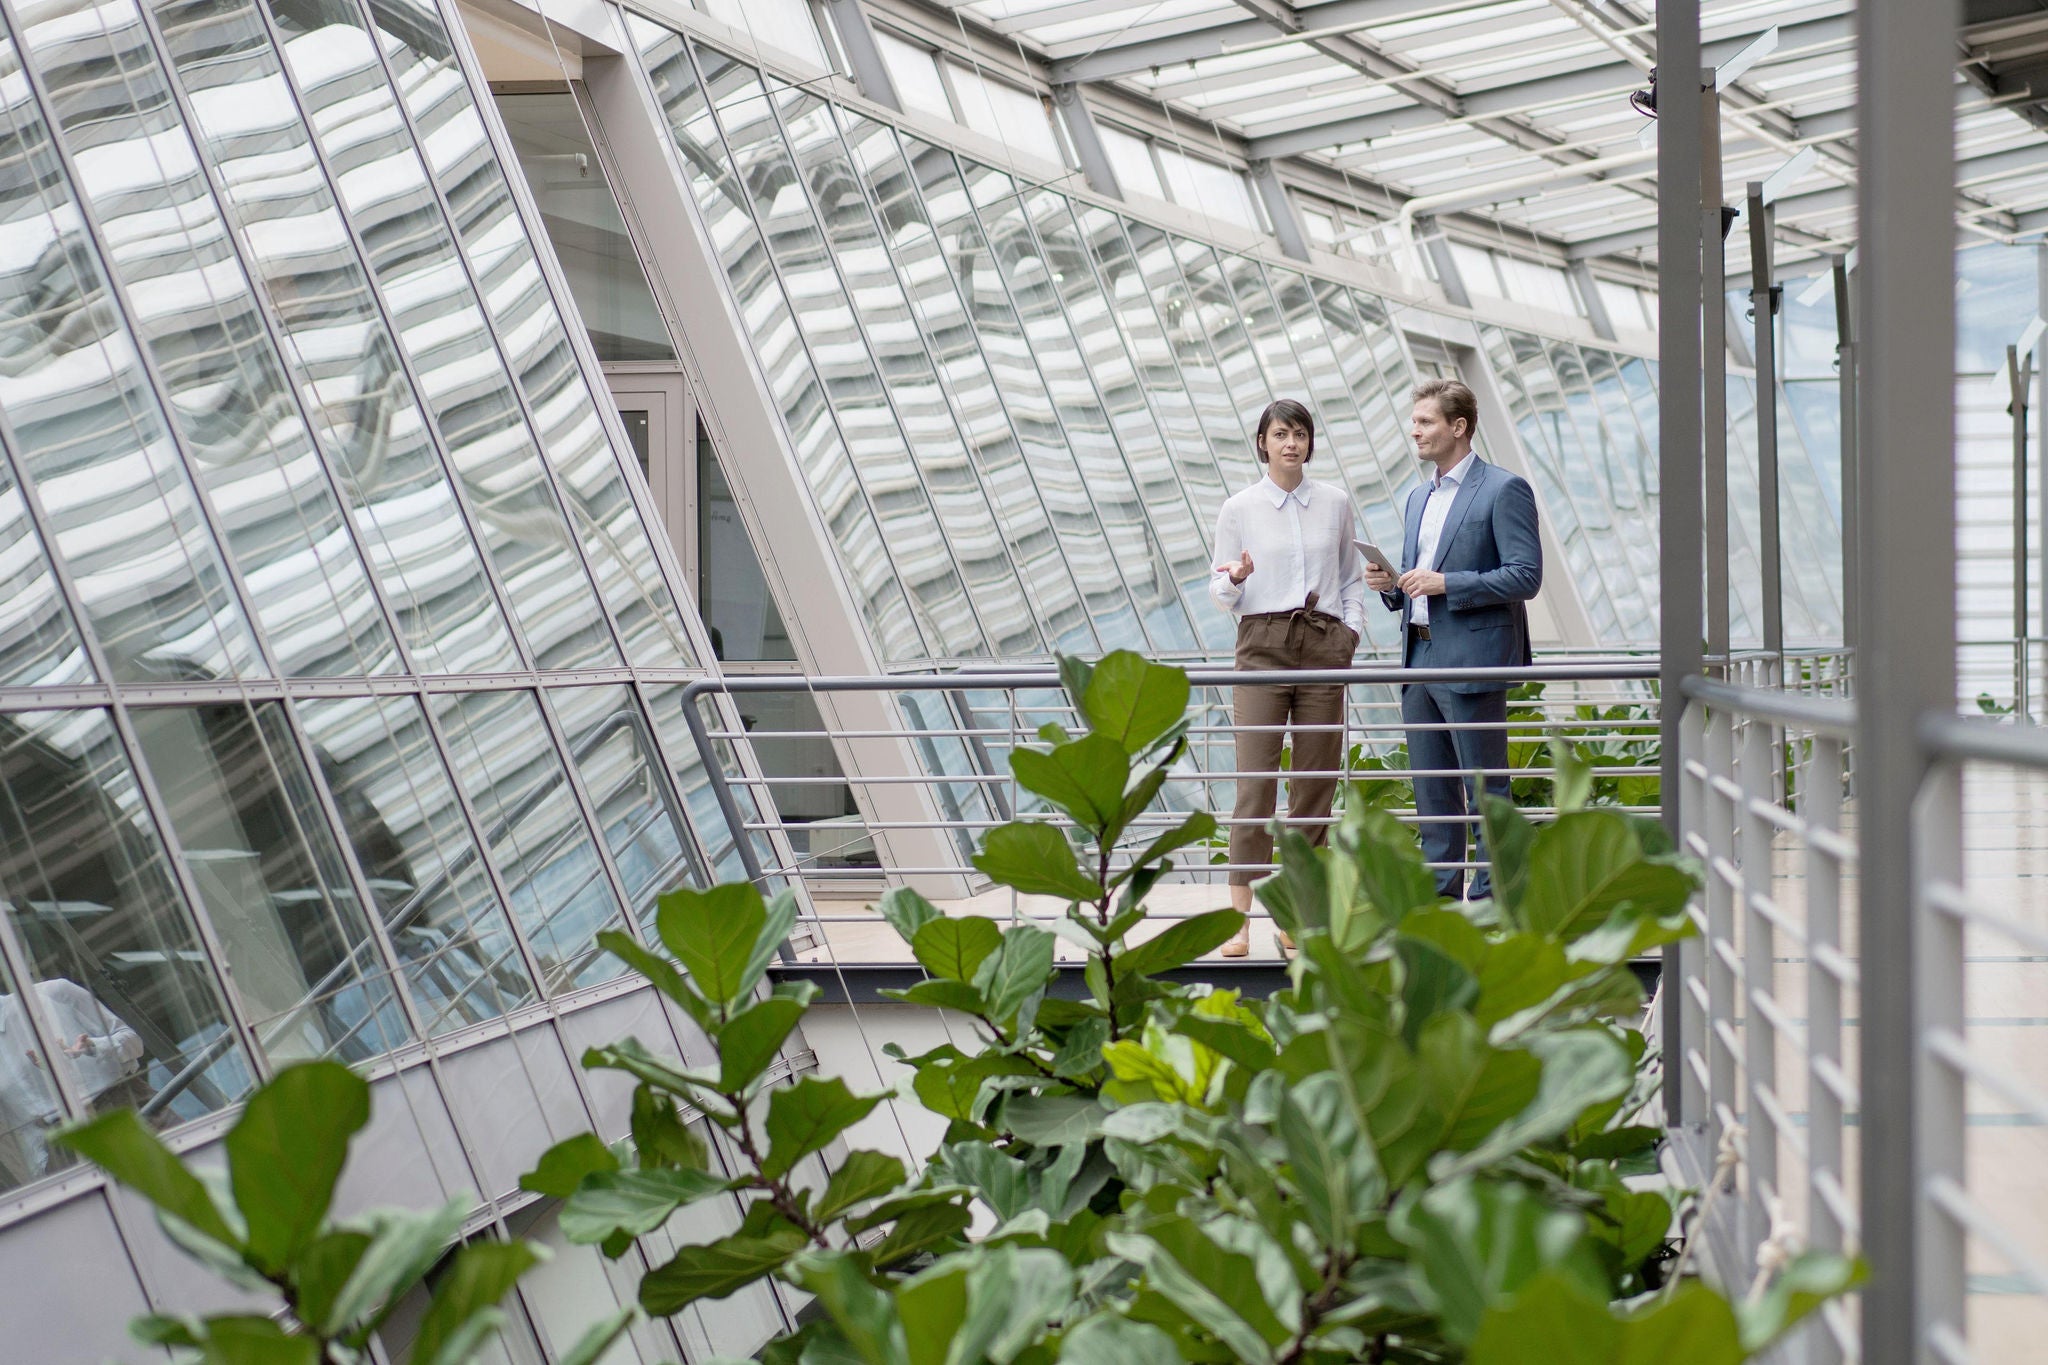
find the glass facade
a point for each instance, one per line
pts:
(327, 602)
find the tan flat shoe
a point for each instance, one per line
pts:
(1286, 939)
(1240, 943)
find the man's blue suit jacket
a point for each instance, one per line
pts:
(1491, 558)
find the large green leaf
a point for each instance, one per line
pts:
(1584, 865)
(865, 1315)
(1432, 983)
(320, 1271)
(598, 1338)
(1083, 777)
(1133, 700)
(713, 934)
(1180, 943)
(119, 1144)
(921, 1229)
(803, 1117)
(401, 1247)
(952, 1088)
(751, 1039)
(907, 912)
(953, 946)
(779, 918)
(1478, 1242)
(1216, 1287)
(1333, 1166)
(1810, 1280)
(944, 995)
(1509, 838)
(1389, 866)
(716, 1269)
(286, 1152)
(238, 1340)
(861, 1177)
(664, 974)
(1553, 1321)
(561, 1168)
(1107, 1339)
(1018, 969)
(1037, 860)
(1581, 1068)
(629, 1203)
(661, 1137)
(1052, 1120)
(1012, 1293)
(481, 1274)
(1461, 1092)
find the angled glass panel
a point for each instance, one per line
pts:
(496, 243)
(614, 753)
(304, 966)
(930, 428)
(383, 188)
(30, 1107)
(1181, 543)
(1382, 452)
(1397, 376)
(39, 645)
(1034, 284)
(506, 764)
(211, 346)
(584, 226)
(1227, 431)
(86, 430)
(1246, 281)
(203, 325)
(1216, 315)
(946, 332)
(222, 377)
(1625, 542)
(714, 834)
(109, 941)
(740, 614)
(400, 814)
(778, 344)
(1191, 464)
(824, 316)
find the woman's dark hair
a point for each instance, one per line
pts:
(1294, 414)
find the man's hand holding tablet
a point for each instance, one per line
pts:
(1380, 573)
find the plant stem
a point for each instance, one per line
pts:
(779, 1194)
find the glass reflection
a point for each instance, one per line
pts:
(112, 948)
(38, 644)
(428, 83)
(85, 428)
(721, 851)
(401, 816)
(615, 756)
(739, 612)
(820, 451)
(534, 833)
(250, 829)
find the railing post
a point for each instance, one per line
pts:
(1940, 1282)
(1684, 1092)
(1820, 804)
(1762, 782)
(1906, 623)
(1678, 422)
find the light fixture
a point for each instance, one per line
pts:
(1644, 102)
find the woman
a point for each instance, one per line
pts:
(1287, 568)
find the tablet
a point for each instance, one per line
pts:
(1374, 556)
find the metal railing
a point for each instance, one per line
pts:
(1774, 1086)
(927, 790)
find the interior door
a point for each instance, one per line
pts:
(655, 410)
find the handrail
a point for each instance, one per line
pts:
(1832, 716)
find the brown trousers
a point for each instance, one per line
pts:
(1295, 639)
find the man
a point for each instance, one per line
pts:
(1284, 557)
(1470, 561)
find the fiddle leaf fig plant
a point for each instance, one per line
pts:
(263, 1225)
(1431, 1145)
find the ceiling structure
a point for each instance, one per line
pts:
(1517, 111)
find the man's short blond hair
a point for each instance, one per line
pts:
(1453, 400)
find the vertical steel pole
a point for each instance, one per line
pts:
(1714, 373)
(2019, 373)
(1763, 303)
(1845, 370)
(1906, 615)
(2041, 434)
(1679, 147)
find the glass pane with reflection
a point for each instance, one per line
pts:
(614, 754)
(806, 413)
(401, 815)
(303, 964)
(111, 944)
(39, 645)
(506, 763)
(496, 243)
(85, 428)
(203, 324)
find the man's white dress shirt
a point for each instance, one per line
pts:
(28, 1098)
(1442, 494)
(1300, 543)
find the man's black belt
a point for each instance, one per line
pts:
(1418, 632)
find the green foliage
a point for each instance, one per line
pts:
(262, 1224)
(1417, 1151)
